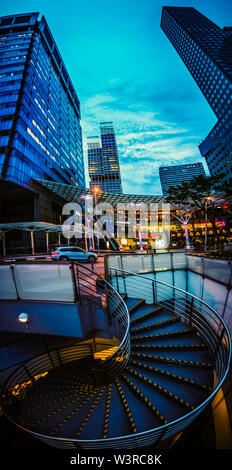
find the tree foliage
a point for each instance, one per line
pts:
(199, 194)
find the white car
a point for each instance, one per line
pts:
(66, 253)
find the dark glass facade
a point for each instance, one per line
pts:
(104, 169)
(40, 132)
(95, 162)
(173, 175)
(206, 50)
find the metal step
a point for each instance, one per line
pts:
(161, 335)
(151, 310)
(158, 324)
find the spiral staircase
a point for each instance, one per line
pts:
(170, 358)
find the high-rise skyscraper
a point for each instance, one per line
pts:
(104, 169)
(174, 175)
(40, 132)
(206, 50)
(95, 162)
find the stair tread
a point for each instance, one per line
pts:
(181, 393)
(132, 302)
(144, 417)
(165, 345)
(143, 311)
(94, 426)
(71, 419)
(46, 422)
(150, 324)
(158, 330)
(118, 422)
(188, 370)
(188, 392)
(167, 408)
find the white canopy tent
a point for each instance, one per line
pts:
(31, 227)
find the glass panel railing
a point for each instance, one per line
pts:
(44, 282)
(195, 264)
(146, 265)
(7, 285)
(180, 279)
(137, 263)
(217, 269)
(139, 287)
(166, 277)
(130, 262)
(228, 312)
(162, 261)
(113, 261)
(194, 284)
(179, 260)
(215, 295)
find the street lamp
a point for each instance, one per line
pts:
(96, 191)
(24, 318)
(208, 198)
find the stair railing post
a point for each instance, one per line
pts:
(93, 347)
(152, 263)
(219, 341)
(71, 267)
(59, 357)
(116, 275)
(77, 283)
(12, 266)
(191, 312)
(153, 289)
(107, 305)
(44, 342)
(122, 270)
(29, 374)
(124, 281)
(106, 267)
(160, 438)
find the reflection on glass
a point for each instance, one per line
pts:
(7, 286)
(44, 282)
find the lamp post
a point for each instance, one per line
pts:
(24, 318)
(96, 191)
(206, 220)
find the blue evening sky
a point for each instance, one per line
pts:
(125, 70)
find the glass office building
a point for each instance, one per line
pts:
(174, 175)
(104, 169)
(95, 162)
(40, 132)
(206, 50)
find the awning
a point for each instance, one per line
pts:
(70, 193)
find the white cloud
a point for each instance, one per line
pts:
(98, 99)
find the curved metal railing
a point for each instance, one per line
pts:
(70, 283)
(191, 310)
(93, 292)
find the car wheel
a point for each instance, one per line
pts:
(63, 258)
(92, 259)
